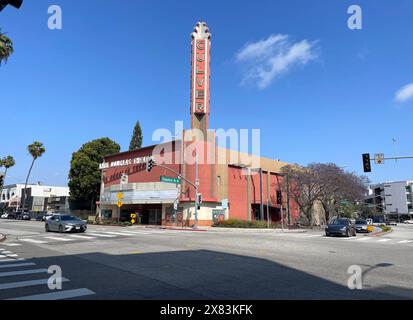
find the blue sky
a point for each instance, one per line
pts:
(116, 62)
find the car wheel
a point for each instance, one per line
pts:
(61, 229)
(46, 228)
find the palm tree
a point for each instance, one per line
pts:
(6, 47)
(36, 149)
(6, 162)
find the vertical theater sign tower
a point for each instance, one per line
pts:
(159, 198)
(200, 78)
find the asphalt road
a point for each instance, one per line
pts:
(143, 263)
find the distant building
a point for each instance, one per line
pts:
(37, 197)
(393, 199)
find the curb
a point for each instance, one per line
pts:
(2, 237)
(380, 233)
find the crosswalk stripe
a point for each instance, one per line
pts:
(11, 244)
(1, 256)
(22, 272)
(101, 235)
(9, 260)
(67, 294)
(118, 233)
(6, 252)
(16, 265)
(33, 241)
(363, 239)
(29, 283)
(82, 237)
(136, 232)
(12, 255)
(59, 239)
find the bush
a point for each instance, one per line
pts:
(236, 223)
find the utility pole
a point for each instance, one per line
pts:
(261, 198)
(196, 191)
(151, 163)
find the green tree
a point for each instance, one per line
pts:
(136, 141)
(6, 47)
(36, 150)
(84, 174)
(6, 162)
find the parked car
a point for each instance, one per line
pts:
(341, 227)
(4, 215)
(361, 225)
(11, 216)
(391, 223)
(408, 221)
(24, 216)
(65, 223)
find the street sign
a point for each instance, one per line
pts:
(119, 204)
(170, 180)
(133, 218)
(119, 196)
(379, 158)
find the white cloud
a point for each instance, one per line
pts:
(405, 93)
(267, 59)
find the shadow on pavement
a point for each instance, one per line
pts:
(198, 274)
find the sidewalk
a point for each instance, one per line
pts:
(219, 229)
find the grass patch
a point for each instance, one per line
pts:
(385, 228)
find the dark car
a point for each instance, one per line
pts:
(361, 225)
(341, 227)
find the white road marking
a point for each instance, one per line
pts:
(30, 283)
(82, 237)
(67, 294)
(17, 265)
(6, 252)
(314, 236)
(33, 241)
(363, 239)
(137, 232)
(11, 244)
(1, 256)
(22, 272)
(384, 240)
(59, 239)
(119, 233)
(9, 260)
(405, 241)
(12, 255)
(101, 235)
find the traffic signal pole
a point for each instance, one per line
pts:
(194, 185)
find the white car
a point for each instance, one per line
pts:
(4, 215)
(408, 222)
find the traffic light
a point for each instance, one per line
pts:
(1, 179)
(15, 3)
(199, 200)
(149, 165)
(279, 197)
(366, 162)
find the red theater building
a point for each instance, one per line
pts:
(232, 184)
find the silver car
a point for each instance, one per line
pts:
(65, 223)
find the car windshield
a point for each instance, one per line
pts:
(67, 218)
(340, 222)
(361, 222)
